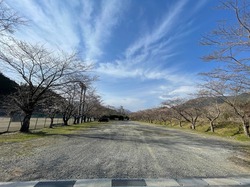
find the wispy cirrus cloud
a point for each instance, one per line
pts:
(151, 40)
(145, 57)
(181, 91)
(152, 56)
(47, 23)
(154, 46)
(121, 70)
(70, 25)
(98, 27)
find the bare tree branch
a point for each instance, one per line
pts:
(9, 19)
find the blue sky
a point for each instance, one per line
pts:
(145, 51)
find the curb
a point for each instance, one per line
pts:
(199, 182)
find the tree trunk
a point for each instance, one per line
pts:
(65, 120)
(75, 120)
(212, 126)
(180, 123)
(246, 128)
(51, 122)
(26, 123)
(193, 126)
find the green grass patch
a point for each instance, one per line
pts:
(68, 129)
(58, 130)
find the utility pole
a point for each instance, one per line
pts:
(82, 101)
(121, 110)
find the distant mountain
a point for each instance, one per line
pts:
(208, 101)
(7, 86)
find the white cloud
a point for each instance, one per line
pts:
(158, 33)
(65, 25)
(144, 57)
(120, 70)
(183, 89)
(130, 103)
(180, 91)
(97, 28)
(47, 23)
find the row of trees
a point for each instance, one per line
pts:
(228, 84)
(50, 81)
(203, 109)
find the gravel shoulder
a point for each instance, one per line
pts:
(123, 150)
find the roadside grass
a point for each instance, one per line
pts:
(229, 130)
(57, 130)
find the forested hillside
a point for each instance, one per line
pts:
(7, 86)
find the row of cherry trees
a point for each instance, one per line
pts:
(208, 110)
(50, 81)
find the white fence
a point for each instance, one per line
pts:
(6, 125)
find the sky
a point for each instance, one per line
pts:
(144, 51)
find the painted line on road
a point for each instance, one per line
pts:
(157, 165)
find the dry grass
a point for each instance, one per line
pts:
(45, 132)
(226, 129)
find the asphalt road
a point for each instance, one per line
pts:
(122, 150)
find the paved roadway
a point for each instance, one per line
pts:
(123, 150)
